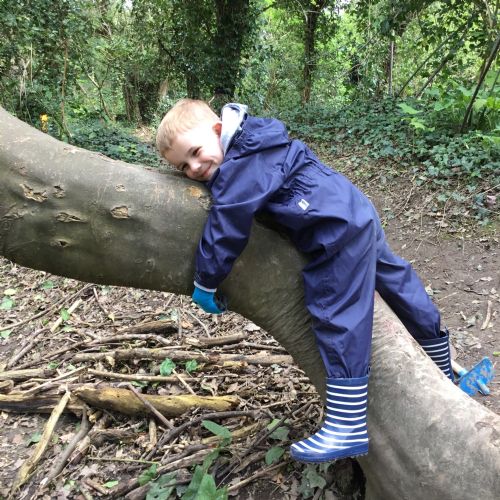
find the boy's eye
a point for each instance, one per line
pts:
(196, 151)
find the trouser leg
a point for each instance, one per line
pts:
(339, 292)
(398, 284)
(339, 295)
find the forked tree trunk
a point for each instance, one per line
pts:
(82, 215)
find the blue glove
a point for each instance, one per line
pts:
(208, 301)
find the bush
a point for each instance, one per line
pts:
(113, 141)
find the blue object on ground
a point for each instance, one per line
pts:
(476, 379)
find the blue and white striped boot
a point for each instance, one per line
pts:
(344, 433)
(439, 351)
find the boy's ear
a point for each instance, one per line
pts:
(217, 127)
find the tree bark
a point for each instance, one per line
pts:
(79, 214)
(312, 13)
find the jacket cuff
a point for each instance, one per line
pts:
(204, 288)
(205, 282)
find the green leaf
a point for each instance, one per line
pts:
(167, 367)
(47, 285)
(274, 454)
(65, 314)
(7, 304)
(111, 484)
(191, 365)
(408, 109)
(35, 438)
(281, 433)
(496, 353)
(314, 479)
(194, 485)
(207, 489)
(148, 475)
(5, 334)
(218, 430)
(162, 488)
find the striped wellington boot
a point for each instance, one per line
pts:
(439, 351)
(344, 433)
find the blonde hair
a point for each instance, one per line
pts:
(183, 116)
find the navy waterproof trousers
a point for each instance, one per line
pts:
(335, 291)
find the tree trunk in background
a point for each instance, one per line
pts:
(312, 12)
(234, 22)
(131, 102)
(79, 214)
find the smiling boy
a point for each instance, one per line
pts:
(250, 165)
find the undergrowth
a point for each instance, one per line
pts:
(113, 140)
(463, 168)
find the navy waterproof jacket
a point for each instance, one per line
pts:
(265, 171)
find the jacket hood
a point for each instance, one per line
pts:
(249, 133)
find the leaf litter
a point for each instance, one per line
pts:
(67, 337)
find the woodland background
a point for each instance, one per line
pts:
(406, 79)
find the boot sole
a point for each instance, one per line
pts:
(312, 460)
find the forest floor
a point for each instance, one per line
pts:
(457, 259)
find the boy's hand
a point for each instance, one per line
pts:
(208, 301)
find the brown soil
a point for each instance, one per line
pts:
(457, 259)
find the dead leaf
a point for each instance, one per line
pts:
(251, 327)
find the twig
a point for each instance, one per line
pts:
(183, 382)
(98, 302)
(214, 341)
(153, 433)
(166, 438)
(95, 486)
(263, 472)
(150, 407)
(26, 469)
(124, 460)
(51, 383)
(60, 463)
(26, 348)
(199, 322)
(486, 321)
(128, 336)
(59, 320)
(47, 311)
(134, 377)
(258, 440)
(211, 357)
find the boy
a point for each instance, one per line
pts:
(250, 165)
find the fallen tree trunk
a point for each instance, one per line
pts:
(79, 214)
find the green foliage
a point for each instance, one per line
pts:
(202, 485)
(113, 141)
(274, 454)
(163, 487)
(279, 433)
(312, 478)
(148, 475)
(191, 365)
(167, 367)
(219, 430)
(388, 130)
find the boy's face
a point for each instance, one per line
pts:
(198, 151)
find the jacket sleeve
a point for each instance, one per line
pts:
(242, 187)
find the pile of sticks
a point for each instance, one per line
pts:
(110, 382)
